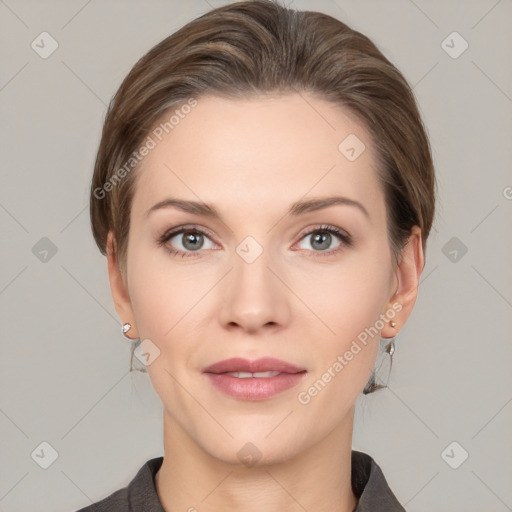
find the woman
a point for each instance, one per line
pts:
(263, 192)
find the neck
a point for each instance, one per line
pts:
(318, 478)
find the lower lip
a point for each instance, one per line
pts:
(254, 388)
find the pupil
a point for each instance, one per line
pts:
(326, 238)
(192, 238)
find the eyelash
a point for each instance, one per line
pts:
(344, 237)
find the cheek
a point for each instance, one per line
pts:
(162, 293)
(169, 305)
(349, 303)
(166, 308)
(348, 297)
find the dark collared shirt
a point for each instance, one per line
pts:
(368, 484)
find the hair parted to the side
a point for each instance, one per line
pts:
(258, 47)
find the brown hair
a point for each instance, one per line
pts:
(255, 47)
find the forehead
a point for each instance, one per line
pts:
(257, 152)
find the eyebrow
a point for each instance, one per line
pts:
(297, 208)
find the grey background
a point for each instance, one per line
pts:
(64, 366)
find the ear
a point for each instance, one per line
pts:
(408, 273)
(119, 289)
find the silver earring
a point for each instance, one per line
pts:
(126, 327)
(390, 348)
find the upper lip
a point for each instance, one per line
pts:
(265, 364)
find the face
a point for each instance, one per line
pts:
(264, 277)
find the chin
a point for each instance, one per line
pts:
(253, 446)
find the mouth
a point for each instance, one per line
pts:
(256, 375)
(253, 380)
(258, 366)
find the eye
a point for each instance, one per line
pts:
(321, 239)
(191, 239)
(188, 241)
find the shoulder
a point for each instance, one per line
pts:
(116, 501)
(370, 486)
(139, 495)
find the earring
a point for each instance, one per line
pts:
(390, 349)
(126, 327)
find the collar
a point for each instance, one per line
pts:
(371, 487)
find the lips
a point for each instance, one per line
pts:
(265, 364)
(253, 380)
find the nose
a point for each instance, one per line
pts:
(253, 297)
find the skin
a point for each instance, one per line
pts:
(252, 158)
